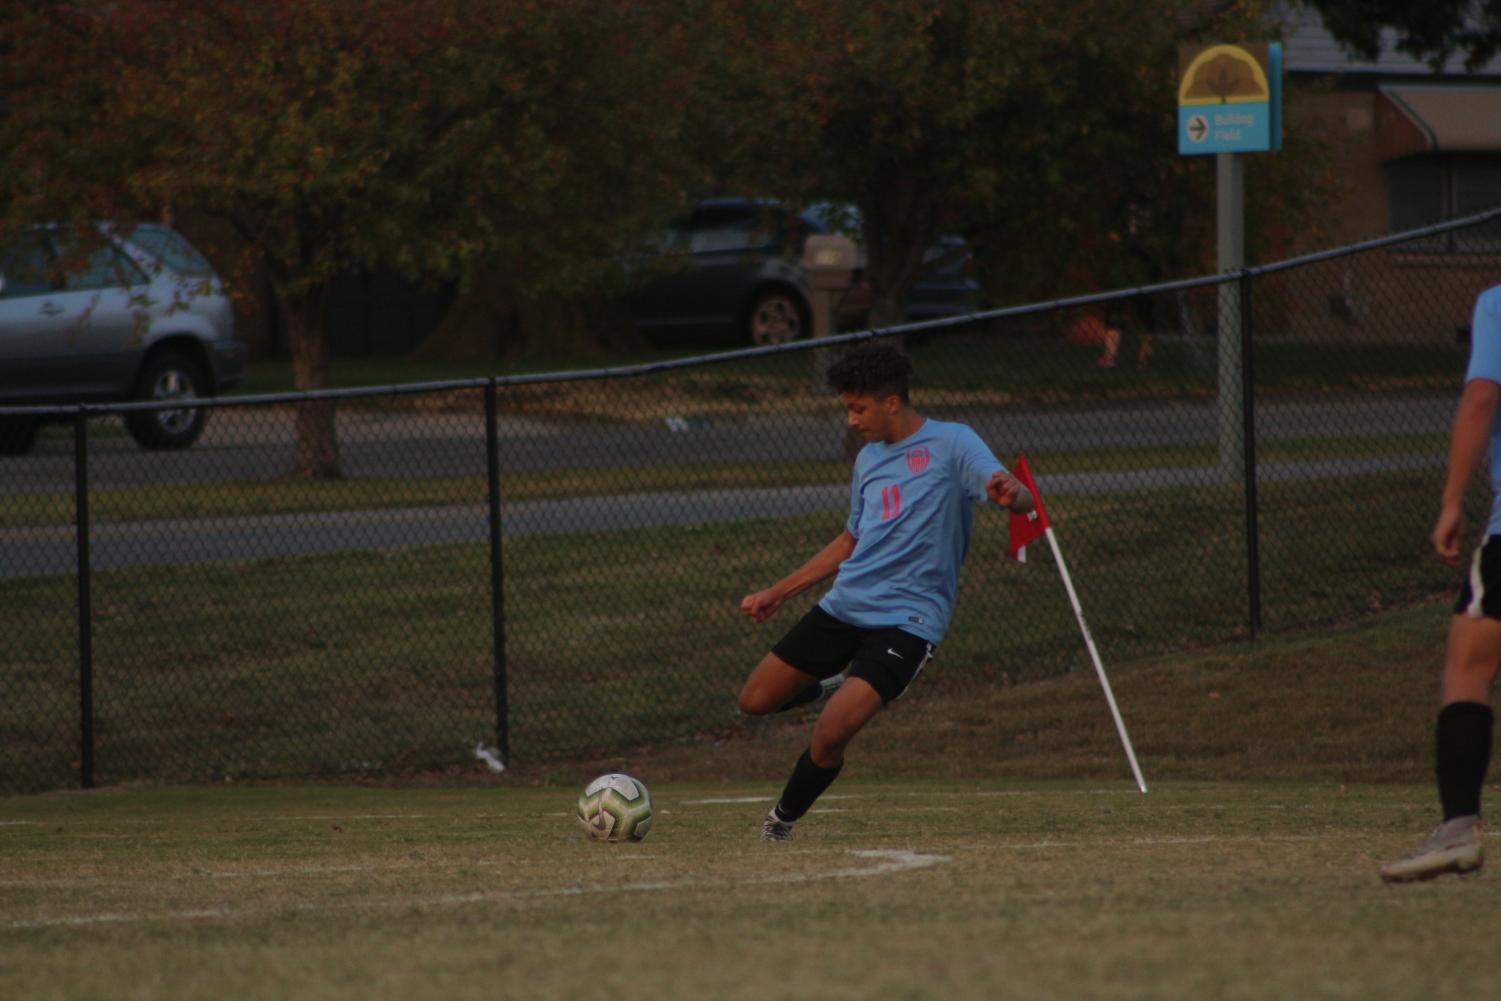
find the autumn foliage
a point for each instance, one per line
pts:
(542, 140)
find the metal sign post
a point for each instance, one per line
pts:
(1230, 255)
(1230, 102)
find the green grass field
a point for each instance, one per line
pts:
(978, 847)
(275, 494)
(232, 669)
(892, 890)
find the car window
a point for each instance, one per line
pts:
(835, 217)
(105, 267)
(718, 228)
(736, 235)
(25, 263)
(172, 249)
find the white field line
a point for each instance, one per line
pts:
(1163, 842)
(816, 809)
(882, 862)
(1133, 791)
(766, 799)
(116, 919)
(354, 816)
(512, 863)
(323, 870)
(312, 870)
(302, 871)
(320, 817)
(895, 861)
(20, 823)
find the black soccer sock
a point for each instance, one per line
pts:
(1464, 750)
(807, 783)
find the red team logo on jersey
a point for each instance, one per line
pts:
(917, 458)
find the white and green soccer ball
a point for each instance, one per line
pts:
(615, 808)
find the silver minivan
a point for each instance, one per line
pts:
(136, 315)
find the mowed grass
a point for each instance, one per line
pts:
(279, 495)
(892, 890)
(373, 662)
(978, 845)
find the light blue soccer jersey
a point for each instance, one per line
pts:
(912, 505)
(1485, 363)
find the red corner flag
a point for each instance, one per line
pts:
(1029, 526)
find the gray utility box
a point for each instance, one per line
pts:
(829, 262)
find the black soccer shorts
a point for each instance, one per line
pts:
(1480, 594)
(888, 659)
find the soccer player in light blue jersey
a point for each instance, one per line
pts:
(896, 571)
(1463, 730)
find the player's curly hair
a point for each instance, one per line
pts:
(877, 369)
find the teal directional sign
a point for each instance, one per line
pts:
(1230, 98)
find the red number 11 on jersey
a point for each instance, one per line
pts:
(891, 502)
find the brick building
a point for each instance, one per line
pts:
(1416, 146)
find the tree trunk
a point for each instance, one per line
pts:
(482, 321)
(316, 452)
(492, 318)
(898, 235)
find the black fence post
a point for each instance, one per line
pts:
(497, 579)
(85, 600)
(1248, 451)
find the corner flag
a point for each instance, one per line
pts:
(1032, 525)
(1035, 525)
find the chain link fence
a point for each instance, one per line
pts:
(549, 568)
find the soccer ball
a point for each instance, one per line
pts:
(615, 808)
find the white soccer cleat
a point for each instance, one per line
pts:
(774, 828)
(1456, 845)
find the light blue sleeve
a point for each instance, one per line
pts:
(1485, 337)
(977, 464)
(857, 503)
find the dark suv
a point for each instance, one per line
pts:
(735, 276)
(136, 315)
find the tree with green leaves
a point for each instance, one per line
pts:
(346, 135)
(1031, 128)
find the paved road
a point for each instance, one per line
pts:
(34, 552)
(255, 444)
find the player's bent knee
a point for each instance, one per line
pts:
(754, 702)
(748, 708)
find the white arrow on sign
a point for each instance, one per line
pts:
(1198, 128)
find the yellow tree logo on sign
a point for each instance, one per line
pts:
(1223, 74)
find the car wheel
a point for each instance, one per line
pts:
(17, 434)
(776, 317)
(169, 376)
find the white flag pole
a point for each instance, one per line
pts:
(1094, 655)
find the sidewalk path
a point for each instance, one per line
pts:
(46, 552)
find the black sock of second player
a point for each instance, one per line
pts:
(807, 783)
(1464, 751)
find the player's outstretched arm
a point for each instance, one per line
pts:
(1009, 492)
(1467, 441)
(760, 605)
